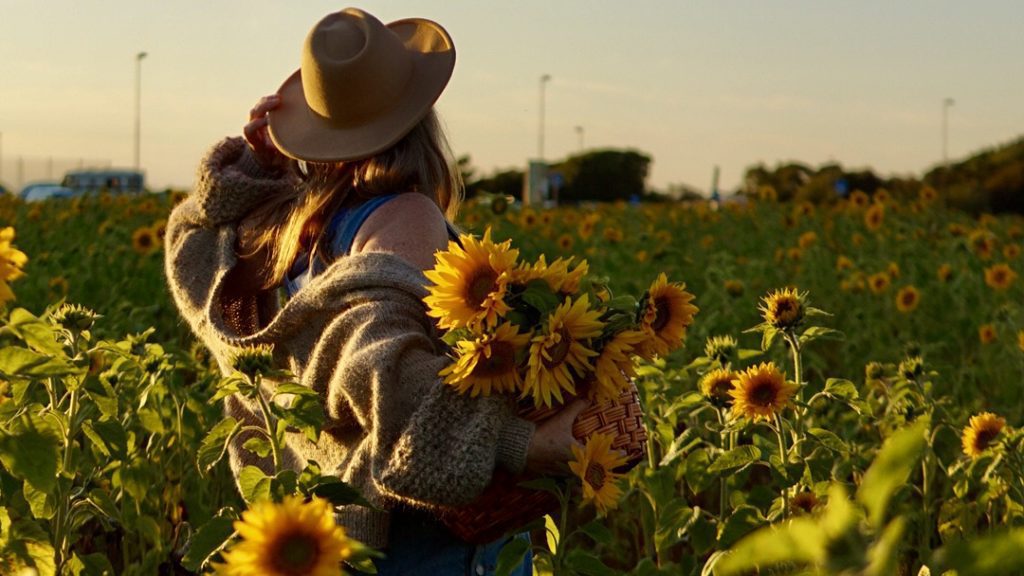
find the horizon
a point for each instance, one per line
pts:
(734, 85)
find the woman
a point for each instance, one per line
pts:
(311, 234)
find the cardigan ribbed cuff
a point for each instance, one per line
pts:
(513, 443)
(367, 525)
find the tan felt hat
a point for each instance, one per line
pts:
(361, 86)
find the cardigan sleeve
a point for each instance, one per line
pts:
(426, 443)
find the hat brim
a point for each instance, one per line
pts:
(302, 134)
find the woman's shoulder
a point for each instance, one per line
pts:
(410, 226)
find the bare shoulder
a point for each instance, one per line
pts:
(410, 226)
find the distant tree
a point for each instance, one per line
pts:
(603, 175)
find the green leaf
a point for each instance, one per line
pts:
(31, 538)
(207, 541)
(95, 564)
(840, 388)
(735, 459)
(215, 444)
(585, 563)
(259, 446)
(23, 362)
(890, 470)
(253, 484)
(697, 473)
(829, 440)
(768, 337)
(997, 553)
(339, 493)
(38, 334)
(108, 436)
(511, 556)
(798, 542)
(43, 504)
(741, 522)
(31, 450)
(293, 388)
(305, 413)
(539, 296)
(884, 555)
(598, 532)
(819, 333)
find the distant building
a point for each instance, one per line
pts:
(99, 180)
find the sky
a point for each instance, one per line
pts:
(694, 84)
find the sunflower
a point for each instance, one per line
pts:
(761, 391)
(927, 194)
(559, 354)
(528, 218)
(488, 362)
(613, 234)
(982, 243)
(58, 286)
(844, 263)
(803, 503)
(720, 348)
(716, 385)
(558, 276)
(882, 196)
(944, 273)
(807, 239)
(879, 282)
(907, 299)
(981, 432)
(288, 539)
(987, 333)
(666, 313)
(595, 465)
(613, 366)
(470, 283)
(734, 288)
(144, 240)
(767, 193)
(1011, 251)
(565, 242)
(12, 261)
(783, 309)
(859, 199)
(1020, 340)
(1000, 276)
(893, 270)
(875, 216)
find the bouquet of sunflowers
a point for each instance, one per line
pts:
(545, 331)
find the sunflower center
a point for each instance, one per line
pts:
(909, 298)
(786, 310)
(763, 393)
(720, 388)
(662, 314)
(480, 286)
(295, 554)
(595, 475)
(502, 361)
(558, 352)
(985, 437)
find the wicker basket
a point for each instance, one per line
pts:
(505, 505)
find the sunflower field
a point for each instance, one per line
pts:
(848, 399)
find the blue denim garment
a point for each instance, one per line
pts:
(421, 546)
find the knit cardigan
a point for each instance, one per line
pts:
(359, 336)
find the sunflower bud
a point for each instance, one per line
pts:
(74, 317)
(720, 348)
(255, 361)
(911, 368)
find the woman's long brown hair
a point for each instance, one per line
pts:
(283, 225)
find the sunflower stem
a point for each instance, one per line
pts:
(780, 435)
(794, 345)
(275, 448)
(722, 481)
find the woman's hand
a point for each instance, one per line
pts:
(258, 137)
(551, 446)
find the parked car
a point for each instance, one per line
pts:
(105, 180)
(44, 191)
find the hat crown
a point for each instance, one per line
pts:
(353, 68)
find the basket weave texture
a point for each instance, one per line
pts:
(505, 506)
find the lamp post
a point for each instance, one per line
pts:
(946, 103)
(579, 133)
(540, 139)
(138, 103)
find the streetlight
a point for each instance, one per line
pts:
(579, 133)
(540, 139)
(945, 131)
(138, 103)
